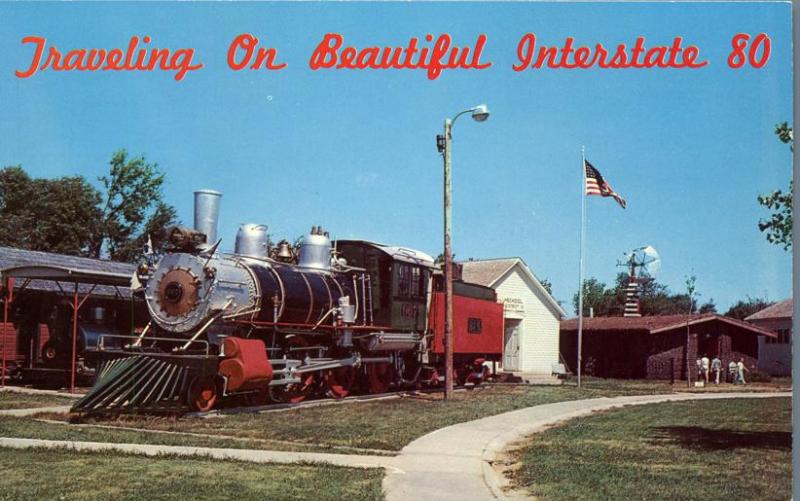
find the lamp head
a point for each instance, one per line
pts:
(480, 113)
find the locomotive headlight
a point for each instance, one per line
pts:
(173, 292)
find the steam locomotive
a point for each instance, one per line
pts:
(281, 321)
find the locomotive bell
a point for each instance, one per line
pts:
(285, 252)
(251, 240)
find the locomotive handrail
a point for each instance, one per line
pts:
(101, 341)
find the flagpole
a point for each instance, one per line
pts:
(580, 265)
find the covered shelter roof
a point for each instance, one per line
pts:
(44, 271)
(779, 310)
(658, 324)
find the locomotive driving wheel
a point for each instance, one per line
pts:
(380, 377)
(293, 393)
(296, 392)
(339, 381)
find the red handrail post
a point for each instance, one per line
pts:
(8, 292)
(74, 337)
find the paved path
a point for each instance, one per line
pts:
(34, 410)
(36, 391)
(455, 462)
(251, 455)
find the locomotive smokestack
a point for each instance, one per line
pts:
(206, 213)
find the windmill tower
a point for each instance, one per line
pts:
(642, 263)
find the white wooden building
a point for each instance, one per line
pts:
(532, 316)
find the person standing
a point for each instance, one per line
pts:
(741, 368)
(699, 364)
(716, 367)
(704, 364)
(732, 367)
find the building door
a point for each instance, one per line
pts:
(511, 345)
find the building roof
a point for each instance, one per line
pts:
(656, 324)
(66, 269)
(488, 272)
(782, 309)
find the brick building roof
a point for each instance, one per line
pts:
(656, 324)
(782, 309)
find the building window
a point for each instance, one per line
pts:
(474, 325)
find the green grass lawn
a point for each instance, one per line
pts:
(26, 427)
(388, 424)
(64, 474)
(723, 449)
(15, 400)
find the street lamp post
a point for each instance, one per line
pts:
(479, 113)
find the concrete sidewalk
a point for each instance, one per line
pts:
(250, 455)
(36, 391)
(33, 410)
(455, 462)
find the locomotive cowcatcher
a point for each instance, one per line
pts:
(283, 322)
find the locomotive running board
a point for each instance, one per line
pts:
(141, 383)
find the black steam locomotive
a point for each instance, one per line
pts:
(270, 321)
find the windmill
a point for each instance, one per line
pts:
(642, 263)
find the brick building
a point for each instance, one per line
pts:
(655, 347)
(775, 354)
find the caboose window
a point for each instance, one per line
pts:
(474, 325)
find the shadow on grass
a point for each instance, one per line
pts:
(696, 437)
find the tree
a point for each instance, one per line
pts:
(596, 299)
(53, 215)
(548, 286)
(744, 308)
(778, 227)
(654, 298)
(132, 207)
(68, 215)
(708, 307)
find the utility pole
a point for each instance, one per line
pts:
(444, 144)
(448, 265)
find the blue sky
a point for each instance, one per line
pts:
(355, 151)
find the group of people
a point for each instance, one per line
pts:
(735, 373)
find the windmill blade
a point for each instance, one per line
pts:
(651, 260)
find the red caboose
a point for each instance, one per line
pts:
(477, 328)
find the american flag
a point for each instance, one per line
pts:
(596, 185)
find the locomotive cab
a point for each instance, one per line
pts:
(399, 279)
